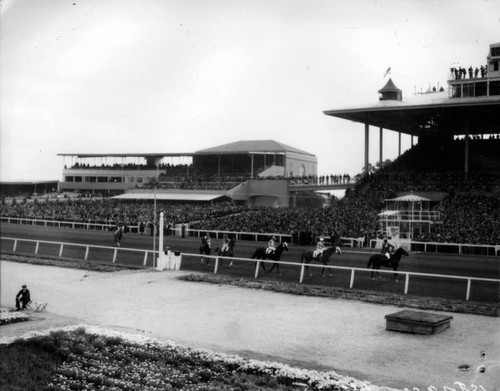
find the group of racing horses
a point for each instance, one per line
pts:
(375, 261)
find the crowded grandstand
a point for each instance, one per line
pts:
(247, 185)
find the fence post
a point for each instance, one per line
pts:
(301, 274)
(61, 250)
(15, 246)
(407, 282)
(86, 253)
(257, 269)
(467, 295)
(216, 265)
(145, 258)
(352, 279)
(36, 247)
(114, 255)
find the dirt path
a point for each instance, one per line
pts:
(315, 333)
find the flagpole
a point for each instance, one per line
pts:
(154, 229)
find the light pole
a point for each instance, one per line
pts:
(154, 228)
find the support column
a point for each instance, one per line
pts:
(412, 140)
(251, 163)
(367, 142)
(381, 146)
(399, 144)
(466, 165)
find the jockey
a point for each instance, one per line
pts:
(320, 246)
(118, 236)
(225, 244)
(206, 241)
(387, 248)
(271, 245)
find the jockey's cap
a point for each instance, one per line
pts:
(321, 239)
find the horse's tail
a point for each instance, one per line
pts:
(302, 257)
(370, 261)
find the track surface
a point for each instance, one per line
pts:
(444, 264)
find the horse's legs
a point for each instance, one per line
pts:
(329, 272)
(277, 266)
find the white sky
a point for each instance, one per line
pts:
(118, 76)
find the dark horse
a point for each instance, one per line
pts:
(205, 249)
(307, 258)
(260, 253)
(228, 252)
(378, 260)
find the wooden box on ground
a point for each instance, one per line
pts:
(417, 322)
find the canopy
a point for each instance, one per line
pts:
(410, 198)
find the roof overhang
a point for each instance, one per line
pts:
(126, 155)
(177, 196)
(456, 115)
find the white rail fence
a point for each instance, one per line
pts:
(184, 230)
(218, 259)
(66, 224)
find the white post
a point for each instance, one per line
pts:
(468, 289)
(160, 237)
(257, 264)
(154, 229)
(407, 282)
(36, 247)
(301, 274)
(352, 279)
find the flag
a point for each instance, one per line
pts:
(387, 72)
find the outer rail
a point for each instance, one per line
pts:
(217, 259)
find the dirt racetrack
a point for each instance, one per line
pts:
(315, 333)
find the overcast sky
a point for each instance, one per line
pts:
(118, 76)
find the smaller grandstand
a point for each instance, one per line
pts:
(28, 189)
(235, 170)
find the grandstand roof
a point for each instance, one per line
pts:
(253, 146)
(429, 112)
(172, 195)
(124, 155)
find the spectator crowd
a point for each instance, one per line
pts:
(470, 212)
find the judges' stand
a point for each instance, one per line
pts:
(167, 259)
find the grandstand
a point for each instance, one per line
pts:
(444, 189)
(458, 139)
(23, 190)
(232, 170)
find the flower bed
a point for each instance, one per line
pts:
(93, 358)
(7, 316)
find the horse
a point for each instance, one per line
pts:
(308, 256)
(378, 260)
(260, 253)
(228, 252)
(205, 249)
